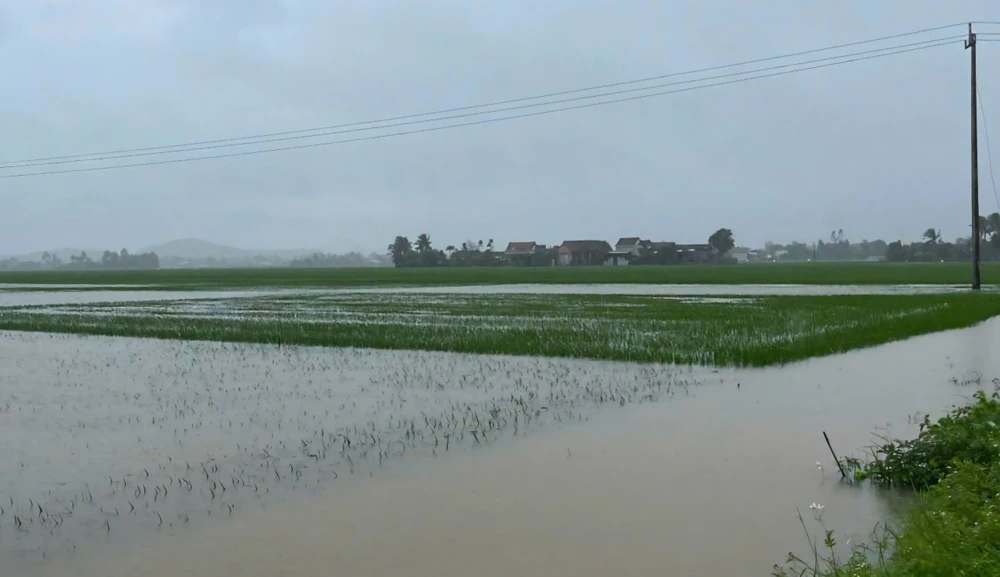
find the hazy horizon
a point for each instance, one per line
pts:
(878, 148)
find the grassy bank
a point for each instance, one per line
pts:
(773, 273)
(724, 332)
(954, 529)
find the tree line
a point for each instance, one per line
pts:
(109, 261)
(421, 253)
(837, 247)
(930, 248)
(351, 259)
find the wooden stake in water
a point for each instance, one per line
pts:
(839, 466)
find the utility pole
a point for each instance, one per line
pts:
(970, 44)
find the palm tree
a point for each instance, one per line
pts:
(932, 236)
(423, 243)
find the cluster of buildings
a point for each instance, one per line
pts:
(600, 252)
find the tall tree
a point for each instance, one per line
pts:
(993, 225)
(401, 250)
(932, 236)
(722, 240)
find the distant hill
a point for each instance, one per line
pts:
(192, 248)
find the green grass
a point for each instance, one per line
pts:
(970, 434)
(776, 273)
(736, 332)
(954, 528)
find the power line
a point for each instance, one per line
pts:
(477, 113)
(163, 148)
(989, 153)
(476, 122)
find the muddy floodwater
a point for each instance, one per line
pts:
(83, 294)
(144, 457)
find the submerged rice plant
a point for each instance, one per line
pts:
(734, 331)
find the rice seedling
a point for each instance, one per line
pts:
(737, 332)
(110, 439)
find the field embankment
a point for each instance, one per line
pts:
(954, 528)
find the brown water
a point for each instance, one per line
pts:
(705, 482)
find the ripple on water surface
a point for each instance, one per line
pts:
(102, 437)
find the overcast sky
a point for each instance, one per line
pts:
(878, 148)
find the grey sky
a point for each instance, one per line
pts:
(878, 148)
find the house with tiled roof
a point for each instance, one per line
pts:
(525, 254)
(584, 252)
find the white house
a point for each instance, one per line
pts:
(630, 245)
(626, 249)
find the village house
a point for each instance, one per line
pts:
(742, 255)
(626, 250)
(525, 254)
(584, 252)
(695, 253)
(631, 245)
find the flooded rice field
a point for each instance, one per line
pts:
(719, 331)
(148, 457)
(36, 295)
(107, 439)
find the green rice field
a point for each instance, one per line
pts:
(721, 331)
(824, 273)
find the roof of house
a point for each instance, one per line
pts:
(630, 240)
(520, 247)
(586, 245)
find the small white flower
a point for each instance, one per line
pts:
(819, 465)
(816, 507)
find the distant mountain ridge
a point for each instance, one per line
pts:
(193, 248)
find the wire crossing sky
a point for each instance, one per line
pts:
(696, 84)
(271, 124)
(299, 133)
